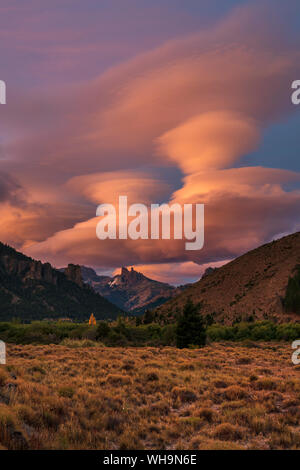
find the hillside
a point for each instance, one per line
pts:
(130, 290)
(31, 290)
(252, 286)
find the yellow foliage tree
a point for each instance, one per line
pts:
(92, 320)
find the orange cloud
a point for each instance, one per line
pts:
(211, 140)
(199, 104)
(246, 182)
(106, 187)
(116, 120)
(249, 206)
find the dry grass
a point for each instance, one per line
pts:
(220, 397)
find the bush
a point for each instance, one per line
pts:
(228, 432)
(66, 392)
(264, 331)
(183, 394)
(103, 330)
(79, 343)
(169, 335)
(187, 332)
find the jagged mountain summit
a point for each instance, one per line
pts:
(31, 290)
(253, 286)
(130, 290)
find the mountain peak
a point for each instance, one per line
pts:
(130, 290)
(131, 275)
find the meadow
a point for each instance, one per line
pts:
(83, 395)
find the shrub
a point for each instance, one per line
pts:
(10, 435)
(244, 360)
(3, 377)
(103, 330)
(183, 394)
(148, 317)
(266, 384)
(169, 335)
(235, 393)
(151, 377)
(228, 432)
(115, 379)
(114, 423)
(186, 332)
(220, 384)
(207, 414)
(262, 331)
(66, 392)
(79, 343)
(160, 409)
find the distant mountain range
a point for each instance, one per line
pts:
(253, 286)
(130, 290)
(31, 290)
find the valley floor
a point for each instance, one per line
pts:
(224, 396)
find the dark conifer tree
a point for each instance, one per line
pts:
(292, 297)
(190, 328)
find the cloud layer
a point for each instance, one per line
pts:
(199, 104)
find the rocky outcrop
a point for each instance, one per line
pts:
(130, 276)
(32, 290)
(28, 269)
(73, 273)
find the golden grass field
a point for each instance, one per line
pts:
(224, 396)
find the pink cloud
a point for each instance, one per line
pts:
(198, 103)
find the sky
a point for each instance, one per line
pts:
(164, 101)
